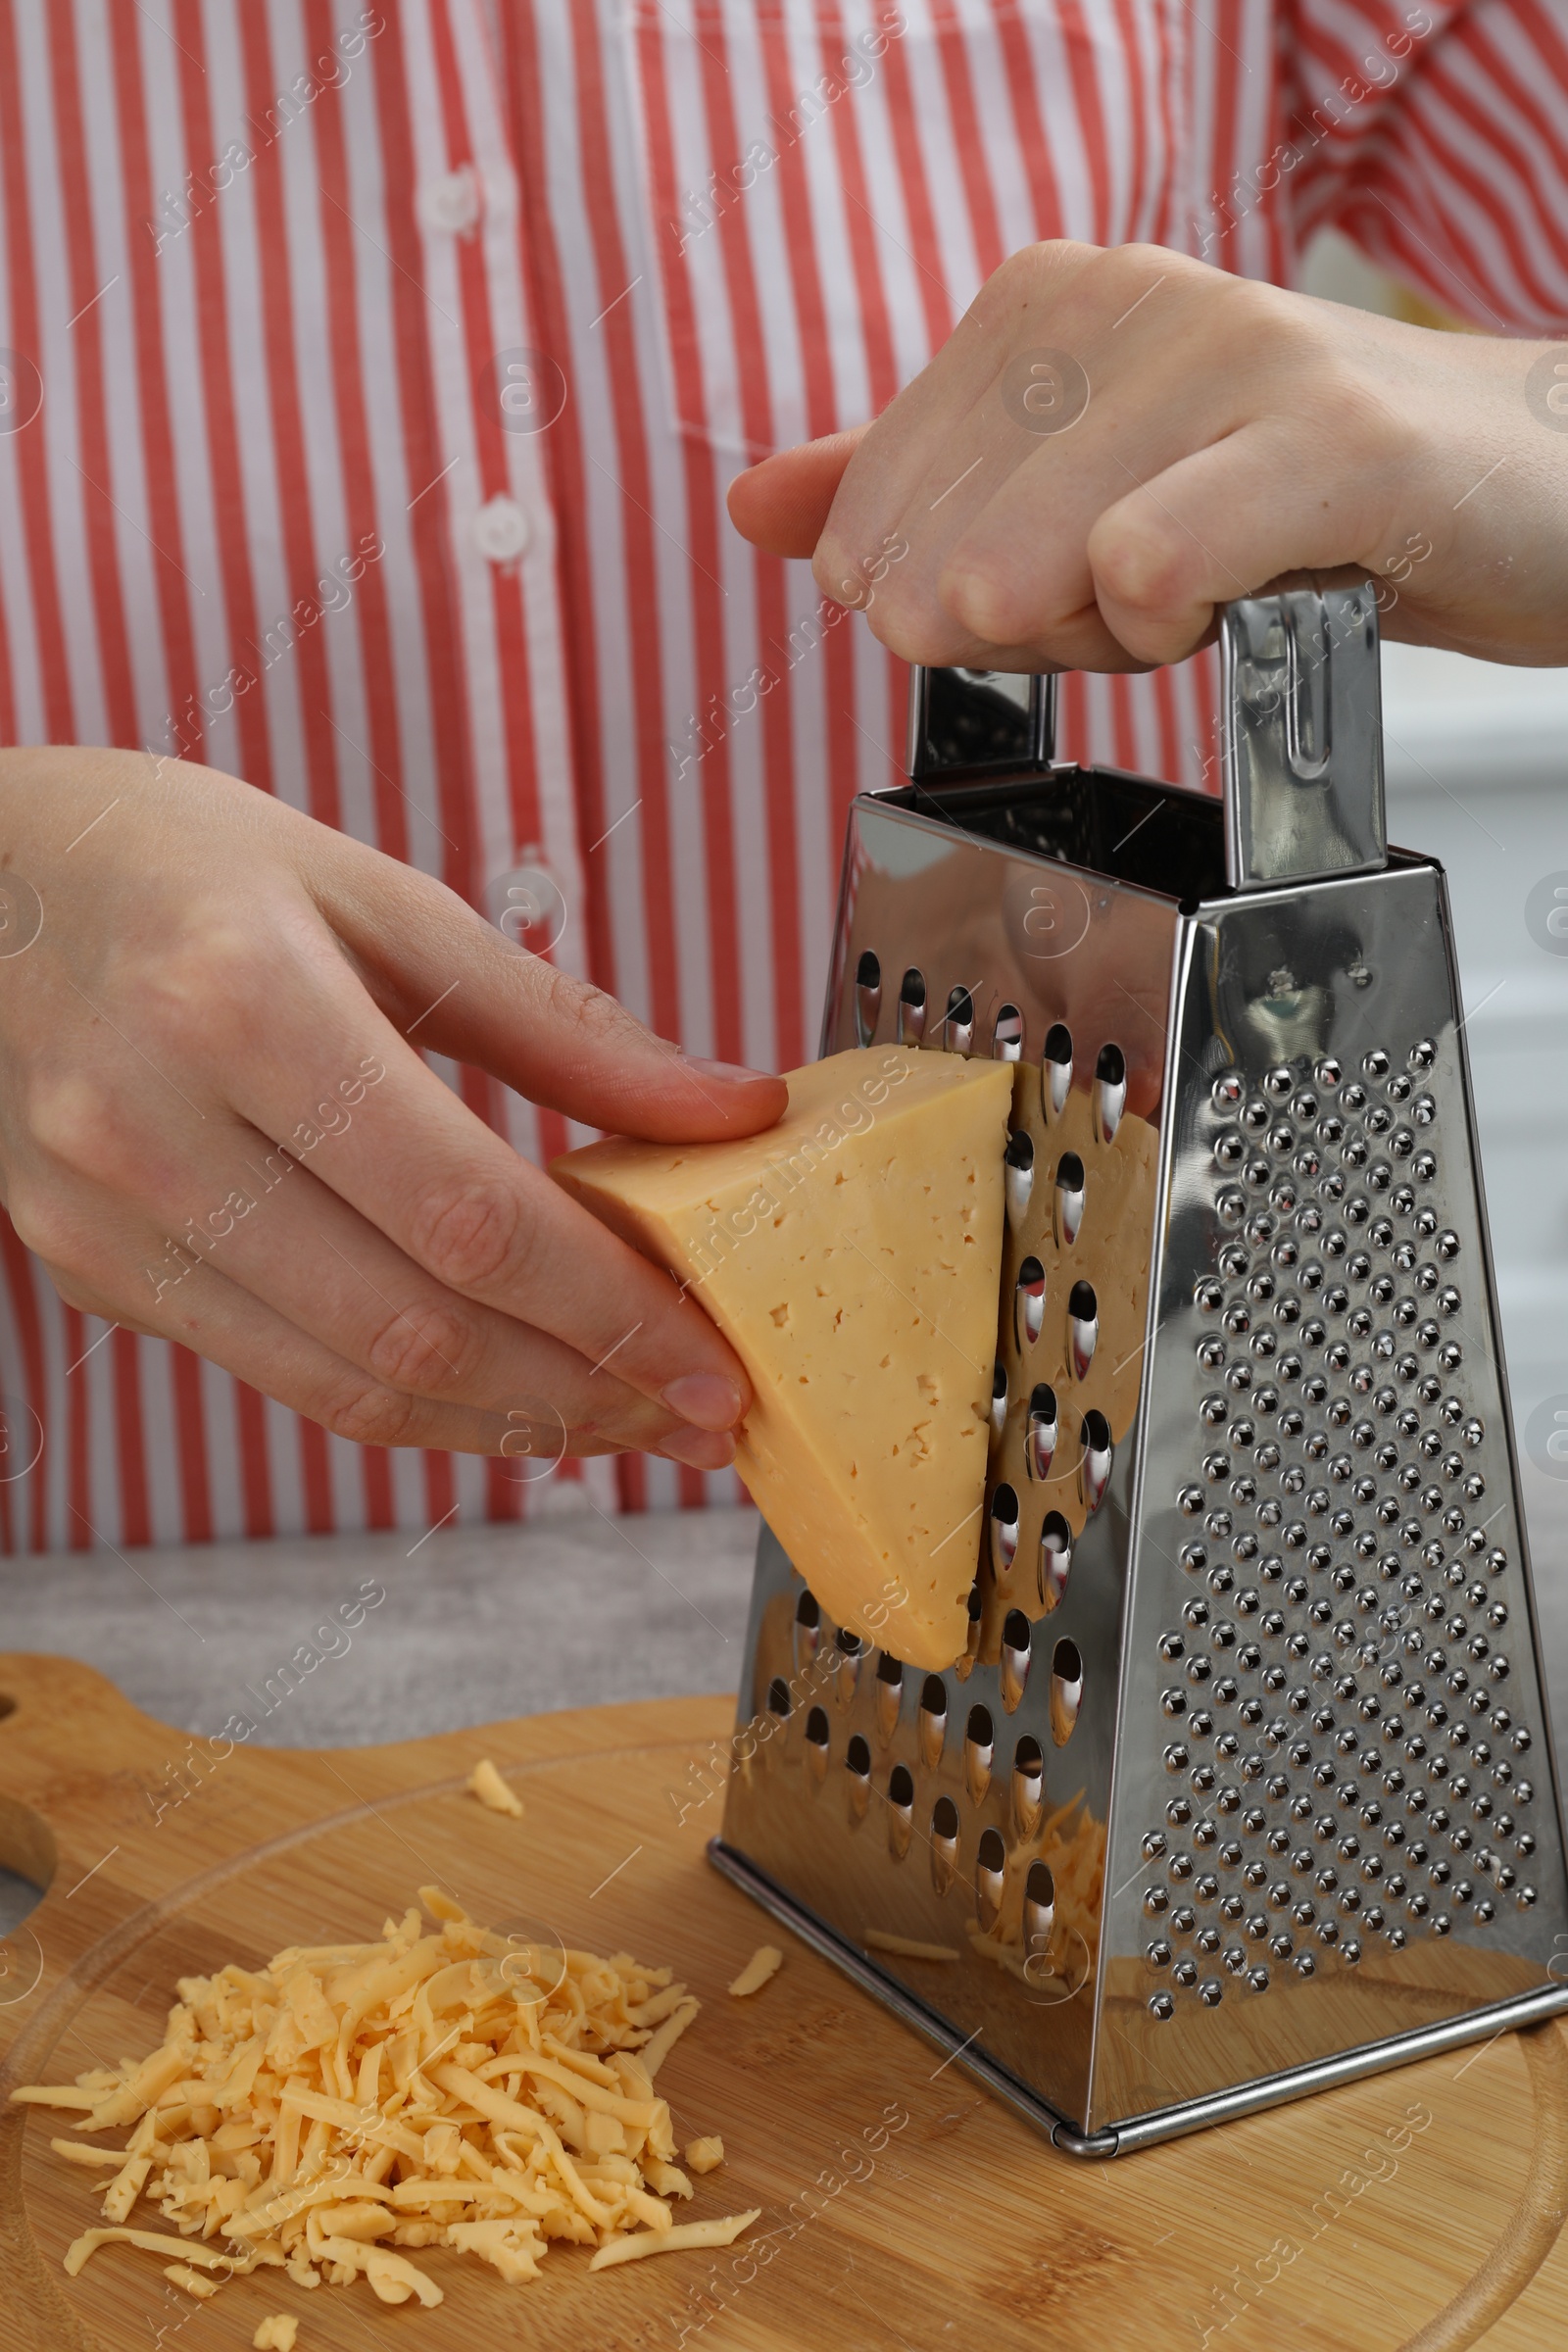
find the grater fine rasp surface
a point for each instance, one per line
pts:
(1246, 1783)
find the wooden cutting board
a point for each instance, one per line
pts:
(903, 2210)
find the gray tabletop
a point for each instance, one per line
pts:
(475, 1624)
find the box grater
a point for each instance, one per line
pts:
(1246, 1783)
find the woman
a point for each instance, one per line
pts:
(372, 383)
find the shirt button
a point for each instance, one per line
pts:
(451, 204)
(527, 903)
(501, 529)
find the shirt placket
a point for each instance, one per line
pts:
(496, 393)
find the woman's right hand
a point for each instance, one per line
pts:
(213, 1127)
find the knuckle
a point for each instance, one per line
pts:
(587, 1010)
(44, 1224)
(1142, 568)
(425, 1349)
(198, 993)
(76, 1121)
(368, 1414)
(986, 605)
(1117, 275)
(469, 1234)
(1029, 268)
(586, 1021)
(829, 567)
(1115, 265)
(916, 629)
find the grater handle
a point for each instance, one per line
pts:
(974, 723)
(1303, 737)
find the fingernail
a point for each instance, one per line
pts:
(727, 1073)
(705, 1398)
(701, 1449)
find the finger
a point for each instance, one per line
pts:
(1001, 578)
(264, 1349)
(1213, 455)
(202, 1310)
(389, 1138)
(1225, 522)
(782, 505)
(922, 451)
(288, 1238)
(998, 519)
(460, 987)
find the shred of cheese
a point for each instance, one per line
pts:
(764, 1962)
(348, 2104)
(276, 2334)
(666, 2241)
(491, 1789)
(74, 2152)
(704, 2155)
(907, 1947)
(192, 2281)
(1071, 1840)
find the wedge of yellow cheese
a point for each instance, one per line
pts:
(852, 1255)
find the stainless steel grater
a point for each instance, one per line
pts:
(1246, 1784)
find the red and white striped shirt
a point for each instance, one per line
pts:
(373, 378)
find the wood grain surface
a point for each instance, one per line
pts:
(903, 2208)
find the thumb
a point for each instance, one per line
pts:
(782, 505)
(454, 985)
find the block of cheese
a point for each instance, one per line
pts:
(852, 1255)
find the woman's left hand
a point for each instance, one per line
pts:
(1112, 444)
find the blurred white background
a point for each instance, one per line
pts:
(1476, 766)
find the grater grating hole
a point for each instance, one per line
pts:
(1095, 1461)
(1056, 1560)
(867, 996)
(1004, 1527)
(1083, 1329)
(944, 1843)
(1029, 1302)
(1111, 1092)
(1055, 1070)
(932, 1722)
(889, 1695)
(1068, 1199)
(850, 1651)
(808, 1635)
(911, 1006)
(1066, 1691)
(1007, 1034)
(1028, 1786)
(979, 1747)
(1018, 1175)
(818, 1741)
(1042, 1430)
(1039, 1914)
(1016, 1639)
(990, 1878)
(900, 1810)
(965, 1665)
(998, 1397)
(857, 1775)
(778, 1697)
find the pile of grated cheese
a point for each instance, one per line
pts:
(350, 2104)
